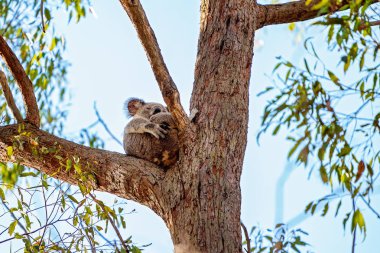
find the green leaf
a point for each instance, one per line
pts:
(323, 173)
(18, 236)
(346, 219)
(53, 44)
(75, 221)
(358, 221)
(45, 184)
(313, 208)
(72, 198)
(77, 168)
(12, 227)
(303, 155)
(308, 207)
(294, 148)
(69, 164)
(28, 174)
(47, 14)
(325, 209)
(333, 78)
(9, 151)
(345, 150)
(338, 207)
(347, 63)
(320, 5)
(362, 59)
(275, 131)
(2, 195)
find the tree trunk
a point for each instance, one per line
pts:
(207, 217)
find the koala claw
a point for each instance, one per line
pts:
(158, 132)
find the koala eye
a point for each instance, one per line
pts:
(157, 110)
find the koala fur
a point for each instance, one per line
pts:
(151, 134)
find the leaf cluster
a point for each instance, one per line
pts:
(332, 114)
(277, 240)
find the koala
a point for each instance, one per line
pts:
(151, 134)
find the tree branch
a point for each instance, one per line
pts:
(23, 82)
(116, 173)
(147, 38)
(9, 97)
(101, 121)
(247, 239)
(292, 12)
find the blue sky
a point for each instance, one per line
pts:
(109, 65)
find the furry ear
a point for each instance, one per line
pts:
(132, 105)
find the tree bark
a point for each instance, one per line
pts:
(207, 216)
(124, 176)
(23, 82)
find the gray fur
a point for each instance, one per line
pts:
(151, 134)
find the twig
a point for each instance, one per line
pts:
(101, 205)
(369, 206)
(23, 82)
(101, 121)
(15, 218)
(364, 25)
(42, 15)
(46, 216)
(148, 40)
(9, 97)
(34, 231)
(354, 236)
(246, 237)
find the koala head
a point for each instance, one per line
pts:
(137, 107)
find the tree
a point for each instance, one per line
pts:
(206, 181)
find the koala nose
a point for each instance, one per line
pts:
(157, 110)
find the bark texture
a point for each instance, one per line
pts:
(296, 11)
(124, 176)
(207, 218)
(23, 82)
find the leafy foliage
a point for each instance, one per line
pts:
(54, 217)
(279, 240)
(28, 26)
(333, 113)
(39, 213)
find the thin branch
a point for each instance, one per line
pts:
(293, 12)
(373, 23)
(101, 121)
(148, 40)
(354, 235)
(369, 206)
(117, 231)
(23, 81)
(42, 15)
(9, 98)
(34, 231)
(46, 216)
(15, 218)
(246, 234)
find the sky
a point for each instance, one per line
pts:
(108, 65)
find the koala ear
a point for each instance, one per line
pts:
(132, 105)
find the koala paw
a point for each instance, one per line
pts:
(156, 130)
